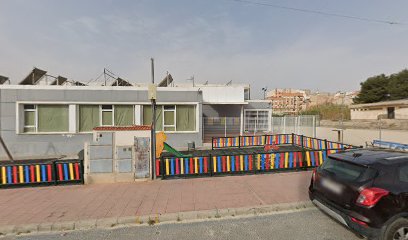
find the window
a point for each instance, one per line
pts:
(180, 118)
(124, 115)
(46, 118)
(106, 115)
(147, 117)
(169, 121)
(185, 118)
(88, 117)
(30, 118)
(91, 116)
(257, 120)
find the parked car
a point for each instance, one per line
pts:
(365, 190)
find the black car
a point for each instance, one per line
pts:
(365, 190)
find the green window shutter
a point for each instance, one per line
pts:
(88, 117)
(168, 118)
(53, 118)
(29, 118)
(147, 116)
(107, 118)
(186, 118)
(124, 115)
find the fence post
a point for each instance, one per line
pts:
(239, 141)
(301, 141)
(54, 166)
(326, 147)
(293, 139)
(211, 164)
(162, 167)
(212, 143)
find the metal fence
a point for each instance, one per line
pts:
(40, 172)
(258, 125)
(302, 125)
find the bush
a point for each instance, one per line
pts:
(329, 111)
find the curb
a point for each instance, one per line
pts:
(104, 223)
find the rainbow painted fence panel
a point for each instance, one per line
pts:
(173, 166)
(314, 143)
(247, 141)
(68, 171)
(50, 172)
(278, 161)
(18, 174)
(224, 142)
(279, 139)
(232, 164)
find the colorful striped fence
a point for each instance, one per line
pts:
(248, 141)
(40, 172)
(68, 171)
(232, 164)
(223, 142)
(280, 139)
(238, 164)
(173, 166)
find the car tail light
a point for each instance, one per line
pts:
(370, 196)
(359, 222)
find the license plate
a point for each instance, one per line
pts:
(332, 186)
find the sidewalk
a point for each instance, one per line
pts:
(74, 203)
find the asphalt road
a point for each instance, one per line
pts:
(306, 224)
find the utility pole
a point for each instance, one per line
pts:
(153, 131)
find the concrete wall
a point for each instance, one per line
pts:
(223, 94)
(358, 114)
(33, 145)
(360, 136)
(401, 113)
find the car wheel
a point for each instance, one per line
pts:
(397, 230)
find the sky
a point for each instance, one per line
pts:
(214, 40)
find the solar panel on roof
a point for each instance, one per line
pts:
(121, 82)
(79, 84)
(32, 79)
(166, 81)
(3, 79)
(59, 80)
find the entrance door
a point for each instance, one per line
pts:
(391, 112)
(142, 157)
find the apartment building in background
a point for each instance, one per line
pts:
(288, 101)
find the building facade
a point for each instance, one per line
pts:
(397, 109)
(45, 120)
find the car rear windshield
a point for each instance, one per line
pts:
(347, 171)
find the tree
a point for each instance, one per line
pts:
(383, 88)
(398, 85)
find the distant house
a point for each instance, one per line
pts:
(397, 109)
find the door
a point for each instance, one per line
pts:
(142, 157)
(391, 112)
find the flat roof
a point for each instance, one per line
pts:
(383, 103)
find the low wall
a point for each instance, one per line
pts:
(359, 137)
